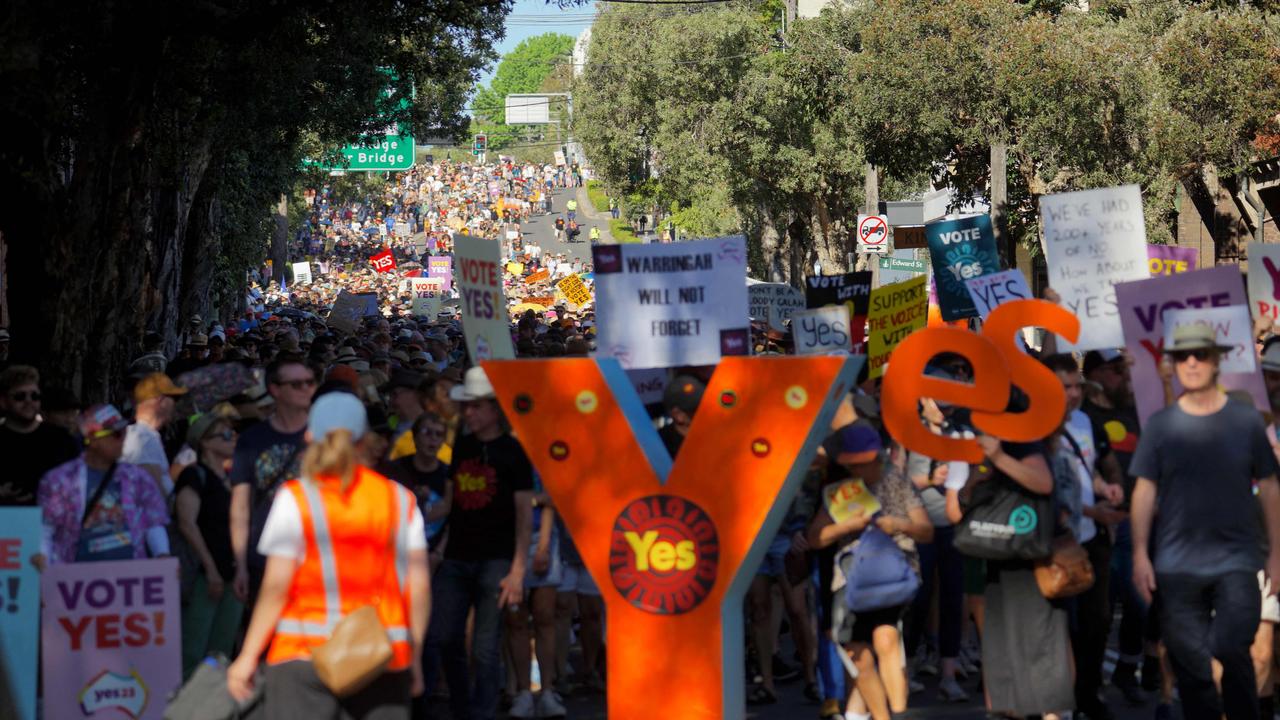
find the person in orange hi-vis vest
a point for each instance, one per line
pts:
(328, 544)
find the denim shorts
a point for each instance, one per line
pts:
(772, 565)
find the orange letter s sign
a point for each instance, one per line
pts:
(997, 363)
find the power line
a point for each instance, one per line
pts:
(632, 64)
(664, 2)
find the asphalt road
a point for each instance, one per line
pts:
(792, 705)
(541, 230)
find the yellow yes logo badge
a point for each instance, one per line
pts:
(664, 554)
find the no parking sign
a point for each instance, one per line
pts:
(873, 234)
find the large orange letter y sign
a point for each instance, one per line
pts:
(670, 545)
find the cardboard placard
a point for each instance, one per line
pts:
(348, 311)
(478, 273)
(961, 249)
(574, 290)
(773, 303)
(537, 277)
(896, 311)
(662, 305)
(19, 608)
(1170, 259)
(853, 290)
(650, 384)
(111, 637)
(1093, 240)
(821, 330)
(843, 499)
(383, 262)
(1264, 280)
(302, 272)
(441, 267)
(990, 291)
(1143, 307)
(428, 294)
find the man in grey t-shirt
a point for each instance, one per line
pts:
(1197, 464)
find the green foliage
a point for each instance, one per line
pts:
(526, 69)
(598, 195)
(149, 143)
(1130, 92)
(622, 232)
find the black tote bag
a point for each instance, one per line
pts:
(1005, 521)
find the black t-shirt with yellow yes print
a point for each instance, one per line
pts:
(486, 476)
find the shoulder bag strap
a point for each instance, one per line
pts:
(97, 494)
(1075, 447)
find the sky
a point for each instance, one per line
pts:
(535, 17)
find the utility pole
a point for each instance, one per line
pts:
(872, 190)
(1000, 202)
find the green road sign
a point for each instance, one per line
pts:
(907, 265)
(393, 150)
(390, 152)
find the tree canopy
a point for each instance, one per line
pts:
(526, 69)
(148, 143)
(1168, 94)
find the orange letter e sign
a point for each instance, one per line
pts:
(998, 363)
(673, 546)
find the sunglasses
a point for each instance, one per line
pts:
(227, 434)
(32, 395)
(106, 433)
(298, 384)
(1200, 354)
(432, 432)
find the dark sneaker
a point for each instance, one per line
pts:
(1151, 673)
(1097, 711)
(1124, 674)
(1124, 678)
(782, 672)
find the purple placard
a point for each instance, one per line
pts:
(441, 267)
(1142, 307)
(1171, 259)
(112, 638)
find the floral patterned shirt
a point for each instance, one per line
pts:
(62, 496)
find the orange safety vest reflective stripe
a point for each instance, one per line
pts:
(346, 567)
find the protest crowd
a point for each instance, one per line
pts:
(336, 462)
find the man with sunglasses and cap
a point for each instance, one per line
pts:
(1199, 464)
(98, 508)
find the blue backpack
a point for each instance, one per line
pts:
(879, 575)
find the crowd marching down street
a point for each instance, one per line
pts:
(359, 532)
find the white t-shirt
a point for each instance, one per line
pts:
(143, 446)
(282, 535)
(1081, 431)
